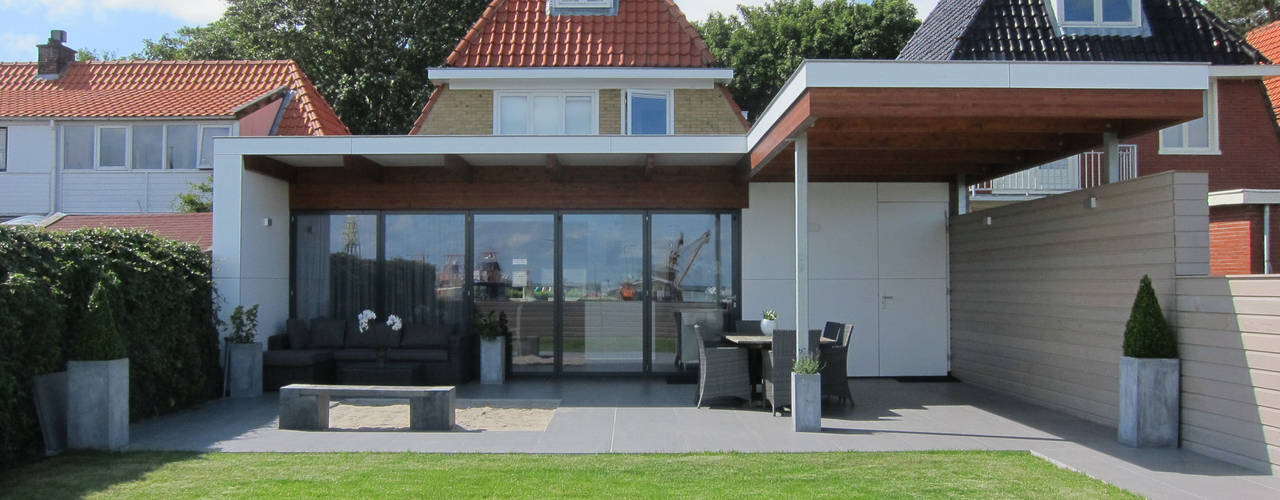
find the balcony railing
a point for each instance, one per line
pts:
(1069, 174)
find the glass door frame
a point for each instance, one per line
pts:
(734, 311)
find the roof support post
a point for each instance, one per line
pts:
(802, 280)
(962, 195)
(1111, 148)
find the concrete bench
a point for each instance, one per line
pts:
(306, 406)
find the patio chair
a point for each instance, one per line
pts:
(687, 338)
(835, 364)
(747, 327)
(835, 331)
(722, 372)
(777, 368)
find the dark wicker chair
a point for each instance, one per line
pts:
(835, 363)
(777, 368)
(722, 372)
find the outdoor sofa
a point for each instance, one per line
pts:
(314, 352)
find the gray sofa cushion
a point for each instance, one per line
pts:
(356, 355)
(426, 336)
(293, 357)
(366, 339)
(298, 333)
(326, 333)
(418, 355)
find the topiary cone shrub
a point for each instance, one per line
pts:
(1147, 334)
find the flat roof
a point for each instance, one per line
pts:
(1245, 197)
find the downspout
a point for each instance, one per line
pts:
(53, 171)
(1266, 239)
(284, 105)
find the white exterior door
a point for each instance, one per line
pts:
(912, 312)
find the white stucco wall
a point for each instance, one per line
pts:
(866, 241)
(250, 258)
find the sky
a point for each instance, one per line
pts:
(119, 26)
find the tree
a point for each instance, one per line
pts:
(765, 44)
(1245, 15)
(369, 59)
(198, 199)
(83, 55)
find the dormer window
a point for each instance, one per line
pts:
(1090, 13)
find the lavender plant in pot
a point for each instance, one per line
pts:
(806, 393)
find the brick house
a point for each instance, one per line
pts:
(1236, 141)
(123, 137)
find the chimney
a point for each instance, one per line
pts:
(54, 56)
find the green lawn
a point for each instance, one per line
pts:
(409, 475)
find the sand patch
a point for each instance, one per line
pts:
(470, 415)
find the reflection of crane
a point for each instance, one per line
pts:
(351, 236)
(666, 285)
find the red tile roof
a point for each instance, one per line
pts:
(520, 33)
(1267, 40)
(191, 228)
(127, 89)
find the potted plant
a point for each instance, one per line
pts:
(1149, 376)
(806, 393)
(769, 321)
(492, 329)
(244, 354)
(98, 375)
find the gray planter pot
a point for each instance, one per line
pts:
(806, 402)
(98, 404)
(1149, 402)
(244, 375)
(51, 410)
(493, 360)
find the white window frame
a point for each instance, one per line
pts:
(581, 4)
(200, 143)
(594, 128)
(1211, 124)
(97, 147)
(669, 94)
(4, 149)
(1136, 5)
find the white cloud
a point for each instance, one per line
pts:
(697, 10)
(190, 11)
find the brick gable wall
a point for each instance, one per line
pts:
(1235, 239)
(1247, 137)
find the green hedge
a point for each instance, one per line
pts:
(161, 299)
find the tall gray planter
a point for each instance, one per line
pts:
(51, 410)
(806, 402)
(244, 375)
(493, 360)
(1149, 402)
(98, 404)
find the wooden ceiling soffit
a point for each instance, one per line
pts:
(554, 168)
(460, 167)
(363, 167)
(269, 166)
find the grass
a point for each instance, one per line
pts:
(973, 474)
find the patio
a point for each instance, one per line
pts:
(638, 415)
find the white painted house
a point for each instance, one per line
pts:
(124, 137)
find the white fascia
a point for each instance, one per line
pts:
(1245, 71)
(1245, 197)
(815, 73)
(480, 144)
(578, 78)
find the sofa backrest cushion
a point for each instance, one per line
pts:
(367, 339)
(326, 333)
(426, 336)
(298, 333)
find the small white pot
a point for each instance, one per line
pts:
(767, 326)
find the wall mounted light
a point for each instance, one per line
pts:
(1093, 202)
(986, 221)
(266, 222)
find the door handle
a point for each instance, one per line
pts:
(884, 301)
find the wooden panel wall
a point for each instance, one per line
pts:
(519, 188)
(1229, 340)
(1041, 296)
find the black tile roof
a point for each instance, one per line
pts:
(1020, 30)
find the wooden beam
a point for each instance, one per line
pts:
(740, 173)
(269, 166)
(460, 167)
(778, 138)
(934, 103)
(554, 168)
(650, 163)
(895, 141)
(363, 167)
(953, 125)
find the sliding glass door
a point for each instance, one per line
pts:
(514, 273)
(692, 266)
(603, 293)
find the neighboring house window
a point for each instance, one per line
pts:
(1198, 136)
(4, 149)
(544, 113)
(1099, 12)
(140, 147)
(648, 112)
(581, 4)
